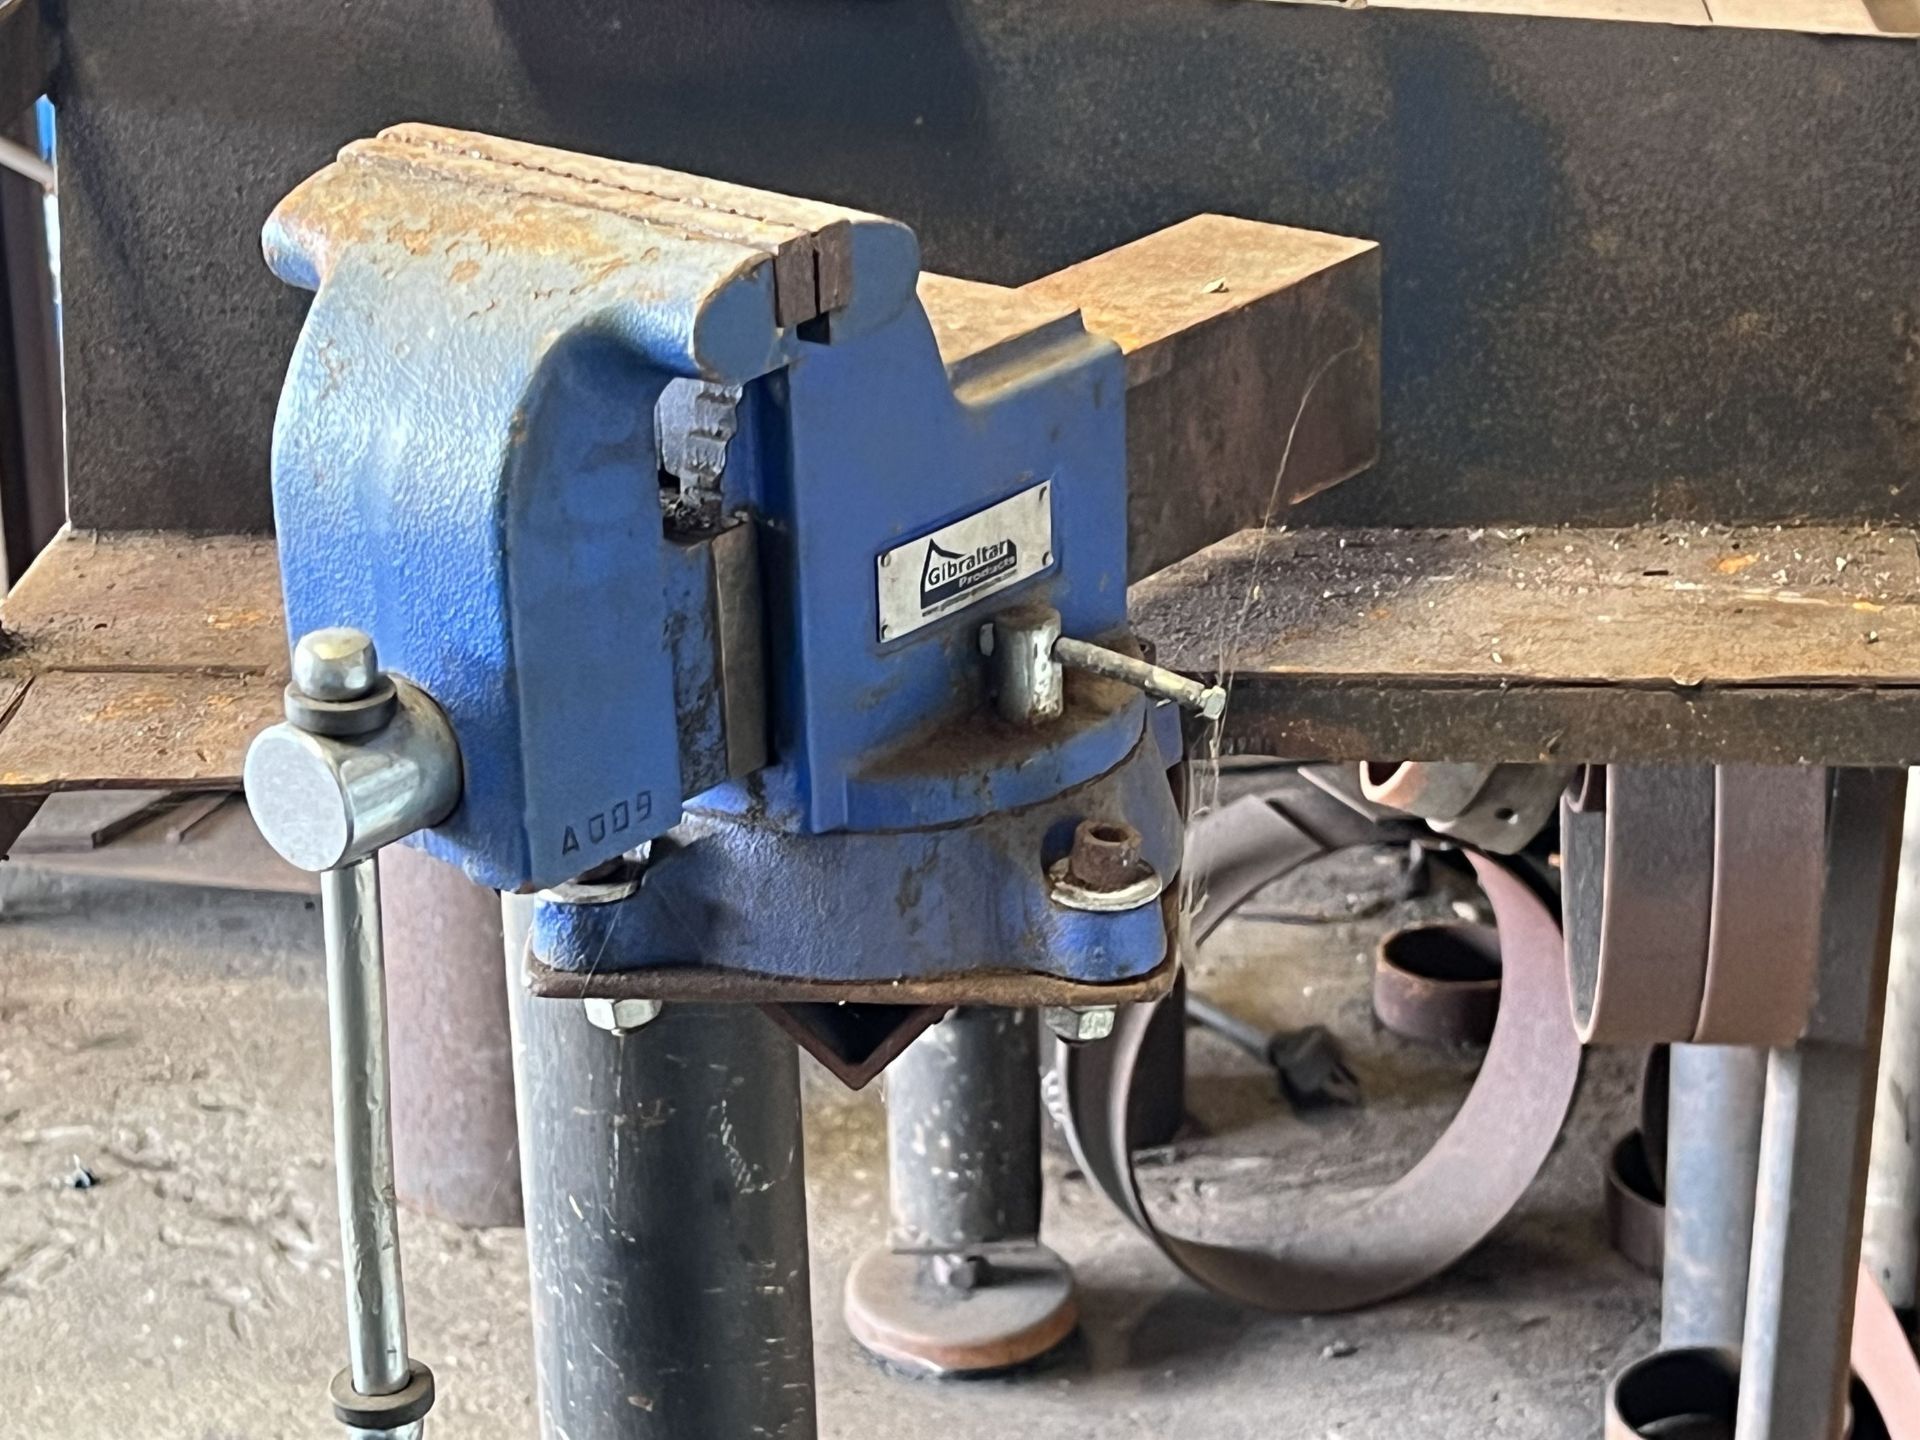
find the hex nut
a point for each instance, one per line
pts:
(1105, 855)
(621, 1017)
(1079, 1025)
(964, 1273)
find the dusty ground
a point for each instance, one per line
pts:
(171, 1044)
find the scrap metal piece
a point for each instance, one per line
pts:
(1689, 1392)
(1438, 982)
(1431, 791)
(1763, 943)
(1637, 867)
(1493, 807)
(1441, 1209)
(456, 1151)
(1816, 1133)
(1884, 1361)
(88, 820)
(1635, 1210)
(1712, 1170)
(1253, 371)
(1890, 1242)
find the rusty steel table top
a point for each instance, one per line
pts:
(1662, 643)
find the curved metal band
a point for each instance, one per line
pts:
(1438, 1211)
(1636, 1216)
(1769, 834)
(1637, 892)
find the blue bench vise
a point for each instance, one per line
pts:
(785, 663)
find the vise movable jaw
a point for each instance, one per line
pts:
(659, 490)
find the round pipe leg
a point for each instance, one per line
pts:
(456, 1150)
(665, 1194)
(963, 1284)
(1713, 1163)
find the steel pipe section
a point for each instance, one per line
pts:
(455, 1139)
(663, 1178)
(1713, 1159)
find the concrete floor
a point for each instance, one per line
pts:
(172, 1044)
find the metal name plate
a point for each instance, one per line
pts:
(966, 561)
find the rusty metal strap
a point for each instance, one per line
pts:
(1637, 862)
(1692, 899)
(1441, 1209)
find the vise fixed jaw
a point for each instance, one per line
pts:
(467, 467)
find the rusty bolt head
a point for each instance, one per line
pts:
(1105, 855)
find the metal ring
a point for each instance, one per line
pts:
(1769, 845)
(1438, 982)
(1637, 896)
(1700, 1382)
(409, 1403)
(1636, 1215)
(1441, 1209)
(343, 719)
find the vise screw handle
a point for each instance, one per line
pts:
(361, 760)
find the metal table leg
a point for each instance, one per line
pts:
(665, 1194)
(962, 1283)
(1713, 1158)
(456, 1147)
(1815, 1136)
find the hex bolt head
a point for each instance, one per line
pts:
(1079, 1025)
(1105, 855)
(965, 1273)
(621, 1017)
(337, 663)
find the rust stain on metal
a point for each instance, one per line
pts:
(80, 730)
(140, 660)
(149, 600)
(1242, 398)
(699, 983)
